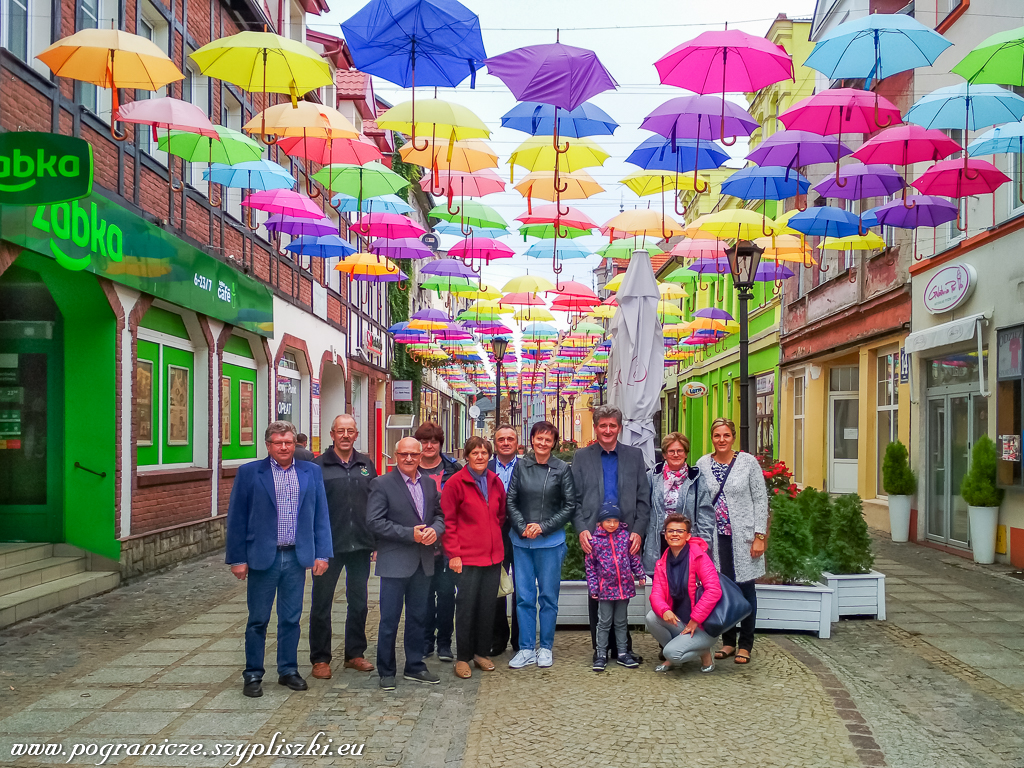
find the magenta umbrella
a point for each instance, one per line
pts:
(953, 178)
(283, 201)
(484, 248)
(450, 183)
(906, 144)
(390, 225)
(299, 227)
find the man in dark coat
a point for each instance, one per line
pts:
(506, 444)
(347, 475)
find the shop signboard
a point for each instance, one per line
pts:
(694, 389)
(43, 168)
(99, 236)
(401, 391)
(1010, 360)
(949, 288)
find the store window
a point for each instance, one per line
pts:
(798, 428)
(164, 399)
(238, 427)
(289, 390)
(1009, 404)
(887, 405)
(765, 414)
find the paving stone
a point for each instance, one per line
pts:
(214, 658)
(149, 658)
(162, 699)
(91, 698)
(145, 723)
(230, 724)
(200, 675)
(120, 675)
(173, 644)
(42, 721)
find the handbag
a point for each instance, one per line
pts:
(505, 586)
(731, 609)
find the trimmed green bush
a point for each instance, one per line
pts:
(790, 555)
(572, 566)
(897, 477)
(848, 549)
(816, 506)
(978, 488)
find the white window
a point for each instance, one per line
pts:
(153, 27)
(232, 118)
(888, 407)
(296, 22)
(25, 30)
(292, 389)
(95, 14)
(798, 428)
(195, 89)
(953, 232)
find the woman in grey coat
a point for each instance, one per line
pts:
(741, 524)
(676, 487)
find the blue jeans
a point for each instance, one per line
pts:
(538, 571)
(286, 579)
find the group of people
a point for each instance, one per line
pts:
(450, 541)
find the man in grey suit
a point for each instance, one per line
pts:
(404, 514)
(610, 472)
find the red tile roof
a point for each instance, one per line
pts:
(352, 84)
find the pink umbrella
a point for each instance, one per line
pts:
(698, 249)
(170, 114)
(840, 110)
(283, 201)
(906, 144)
(387, 225)
(330, 151)
(478, 184)
(953, 178)
(484, 248)
(552, 214)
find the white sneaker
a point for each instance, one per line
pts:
(523, 659)
(544, 658)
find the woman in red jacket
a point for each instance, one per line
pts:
(676, 614)
(473, 502)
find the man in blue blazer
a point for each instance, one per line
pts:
(404, 514)
(278, 527)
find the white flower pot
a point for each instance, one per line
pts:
(983, 533)
(806, 608)
(857, 594)
(573, 607)
(899, 518)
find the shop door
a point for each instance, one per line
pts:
(955, 422)
(843, 443)
(31, 413)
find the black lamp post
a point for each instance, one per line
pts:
(498, 346)
(599, 378)
(572, 418)
(744, 258)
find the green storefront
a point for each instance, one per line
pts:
(60, 380)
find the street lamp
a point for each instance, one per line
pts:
(498, 346)
(599, 378)
(572, 418)
(744, 258)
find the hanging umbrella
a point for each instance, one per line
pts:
(770, 272)
(765, 183)
(700, 117)
(868, 242)
(680, 275)
(467, 155)
(401, 248)
(682, 155)
(578, 185)
(388, 225)
(370, 180)
(824, 221)
(970, 107)
(862, 181)
(343, 203)
(559, 75)
(527, 283)
(950, 178)
(447, 268)
(329, 151)
(795, 149)
(535, 118)
(925, 211)
(1004, 139)
(623, 249)
(565, 250)
(521, 299)
(437, 119)
(654, 182)
(228, 146)
(451, 183)
(437, 42)
(548, 232)
(739, 224)
(452, 228)
(368, 265)
(323, 247)
(554, 215)
(169, 114)
(110, 58)
(283, 201)
(643, 223)
(538, 154)
(996, 60)
(698, 249)
(638, 350)
(470, 214)
(305, 121)
(482, 248)
(298, 227)
(255, 174)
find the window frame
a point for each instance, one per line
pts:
(1009, 474)
(799, 417)
(892, 407)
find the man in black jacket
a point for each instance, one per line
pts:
(347, 475)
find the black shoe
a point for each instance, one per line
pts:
(428, 653)
(444, 653)
(628, 660)
(293, 681)
(423, 677)
(497, 650)
(253, 689)
(387, 683)
(600, 661)
(638, 657)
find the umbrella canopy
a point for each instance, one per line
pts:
(699, 117)
(659, 153)
(451, 183)
(542, 249)
(556, 74)
(906, 144)
(927, 211)
(698, 249)
(1002, 139)
(997, 59)
(228, 147)
(637, 357)
(548, 231)
(383, 204)
(388, 225)
(168, 113)
(255, 174)
(972, 107)
(370, 265)
(553, 214)
(623, 249)
(535, 118)
(579, 185)
(453, 228)
(436, 118)
(370, 180)
(467, 155)
(447, 268)
(482, 248)
(324, 247)
(304, 120)
(868, 242)
(857, 181)
(530, 283)
(538, 154)
(655, 182)
(770, 272)
(839, 111)
(410, 42)
(723, 62)
(401, 248)
(328, 151)
(643, 222)
(739, 224)
(471, 213)
(952, 178)
(795, 149)
(521, 299)
(284, 201)
(298, 227)
(765, 183)
(825, 221)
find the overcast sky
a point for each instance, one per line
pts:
(628, 36)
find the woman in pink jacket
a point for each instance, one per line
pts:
(676, 614)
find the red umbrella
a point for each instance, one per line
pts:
(571, 288)
(838, 111)
(330, 151)
(906, 144)
(170, 114)
(953, 178)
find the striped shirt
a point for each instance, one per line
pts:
(286, 488)
(416, 491)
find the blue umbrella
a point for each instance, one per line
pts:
(324, 247)
(1006, 139)
(965, 106)
(383, 204)
(660, 154)
(538, 119)
(255, 174)
(767, 183)
(825, 221)
(453, 228)
(564, 249)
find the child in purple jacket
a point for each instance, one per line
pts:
(610, 571)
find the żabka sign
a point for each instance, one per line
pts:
(949, 288)
(44, 168)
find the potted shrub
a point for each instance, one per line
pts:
(900, 484)
(847, 560)
(983, 498)
(573, 609)
(791, 597)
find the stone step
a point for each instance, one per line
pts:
(36, 572)
(16, 554)
(25, 603)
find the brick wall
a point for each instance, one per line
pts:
(161, 506)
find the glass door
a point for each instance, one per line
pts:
(843, 443)
(937, 468)
(955, 422)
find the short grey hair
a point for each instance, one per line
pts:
(607, 412)
(419, 445)
(279, 428)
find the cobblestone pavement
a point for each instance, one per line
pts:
(159, 661)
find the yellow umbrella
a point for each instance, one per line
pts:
(641, 222)
(789, 248)
(366, 264)
(667, 309)
(671, 291)
(615, 283)
(782, 223)
(579, 185)
(486, 306)
(734, 224)
(485, 291)
(538, 154)
(710, 324)
(111, 59)
(603, 312)
(645, 183)
(307, 120)
(437, 119)
(465, 155)
(868, 242)
(676, 331)
(531, 314)
(679, 353)
(527, 284)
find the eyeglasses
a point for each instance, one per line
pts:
(345, 432)
(408, 455)
(678, 452)
(282, 443)
(676, 532)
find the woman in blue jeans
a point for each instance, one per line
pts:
(540, 502)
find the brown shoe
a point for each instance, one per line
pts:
(359, 664)
(462, 670)
(484, 663)
(322, 670)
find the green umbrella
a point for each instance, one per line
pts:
(683, 275)
(589, 329)
(470, 213)
(998, 60)
(230, 148)
(623, 249)
(547, 232)
(360, 181)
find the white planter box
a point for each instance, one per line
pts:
(573, 610)
(803, 608)
(857, 594)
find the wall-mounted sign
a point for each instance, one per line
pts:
(1010, 357)
(431, 240)
(949, 288)
(44, 168)
(766, 384)
(694, 389)
(904, 366)
(401, 391)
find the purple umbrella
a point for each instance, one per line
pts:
(555, 74)
(928, 211)
(771, 272)
(795, 149)
(857, 181)
(401, 248)
(452, 332)
(700, 117)
(710, 267)
(431, 315)
(291, 225)
(447, 268)
(713, 313)
(387, 277)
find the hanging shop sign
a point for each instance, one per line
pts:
(99, 236)
(694, 389)
(44, 168)
(949, 288)
(401, 391)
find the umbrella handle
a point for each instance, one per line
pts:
(249, 219)
(958, 217)
(721, 130)
(888, 118)
(822, 266)
(280, 250)
(402, 285)
(860, 227)
(839, 151)
(114, 134)
(558, 232)
(912, 203)
(697, 182)
(455, 212)
(311, 191)
(968, 171)
(215, 203)
(853, 273)
(890, 257)
(561, 212)
(764, 227)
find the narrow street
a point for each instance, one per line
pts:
(941, 683)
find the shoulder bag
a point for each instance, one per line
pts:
(731, 609)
